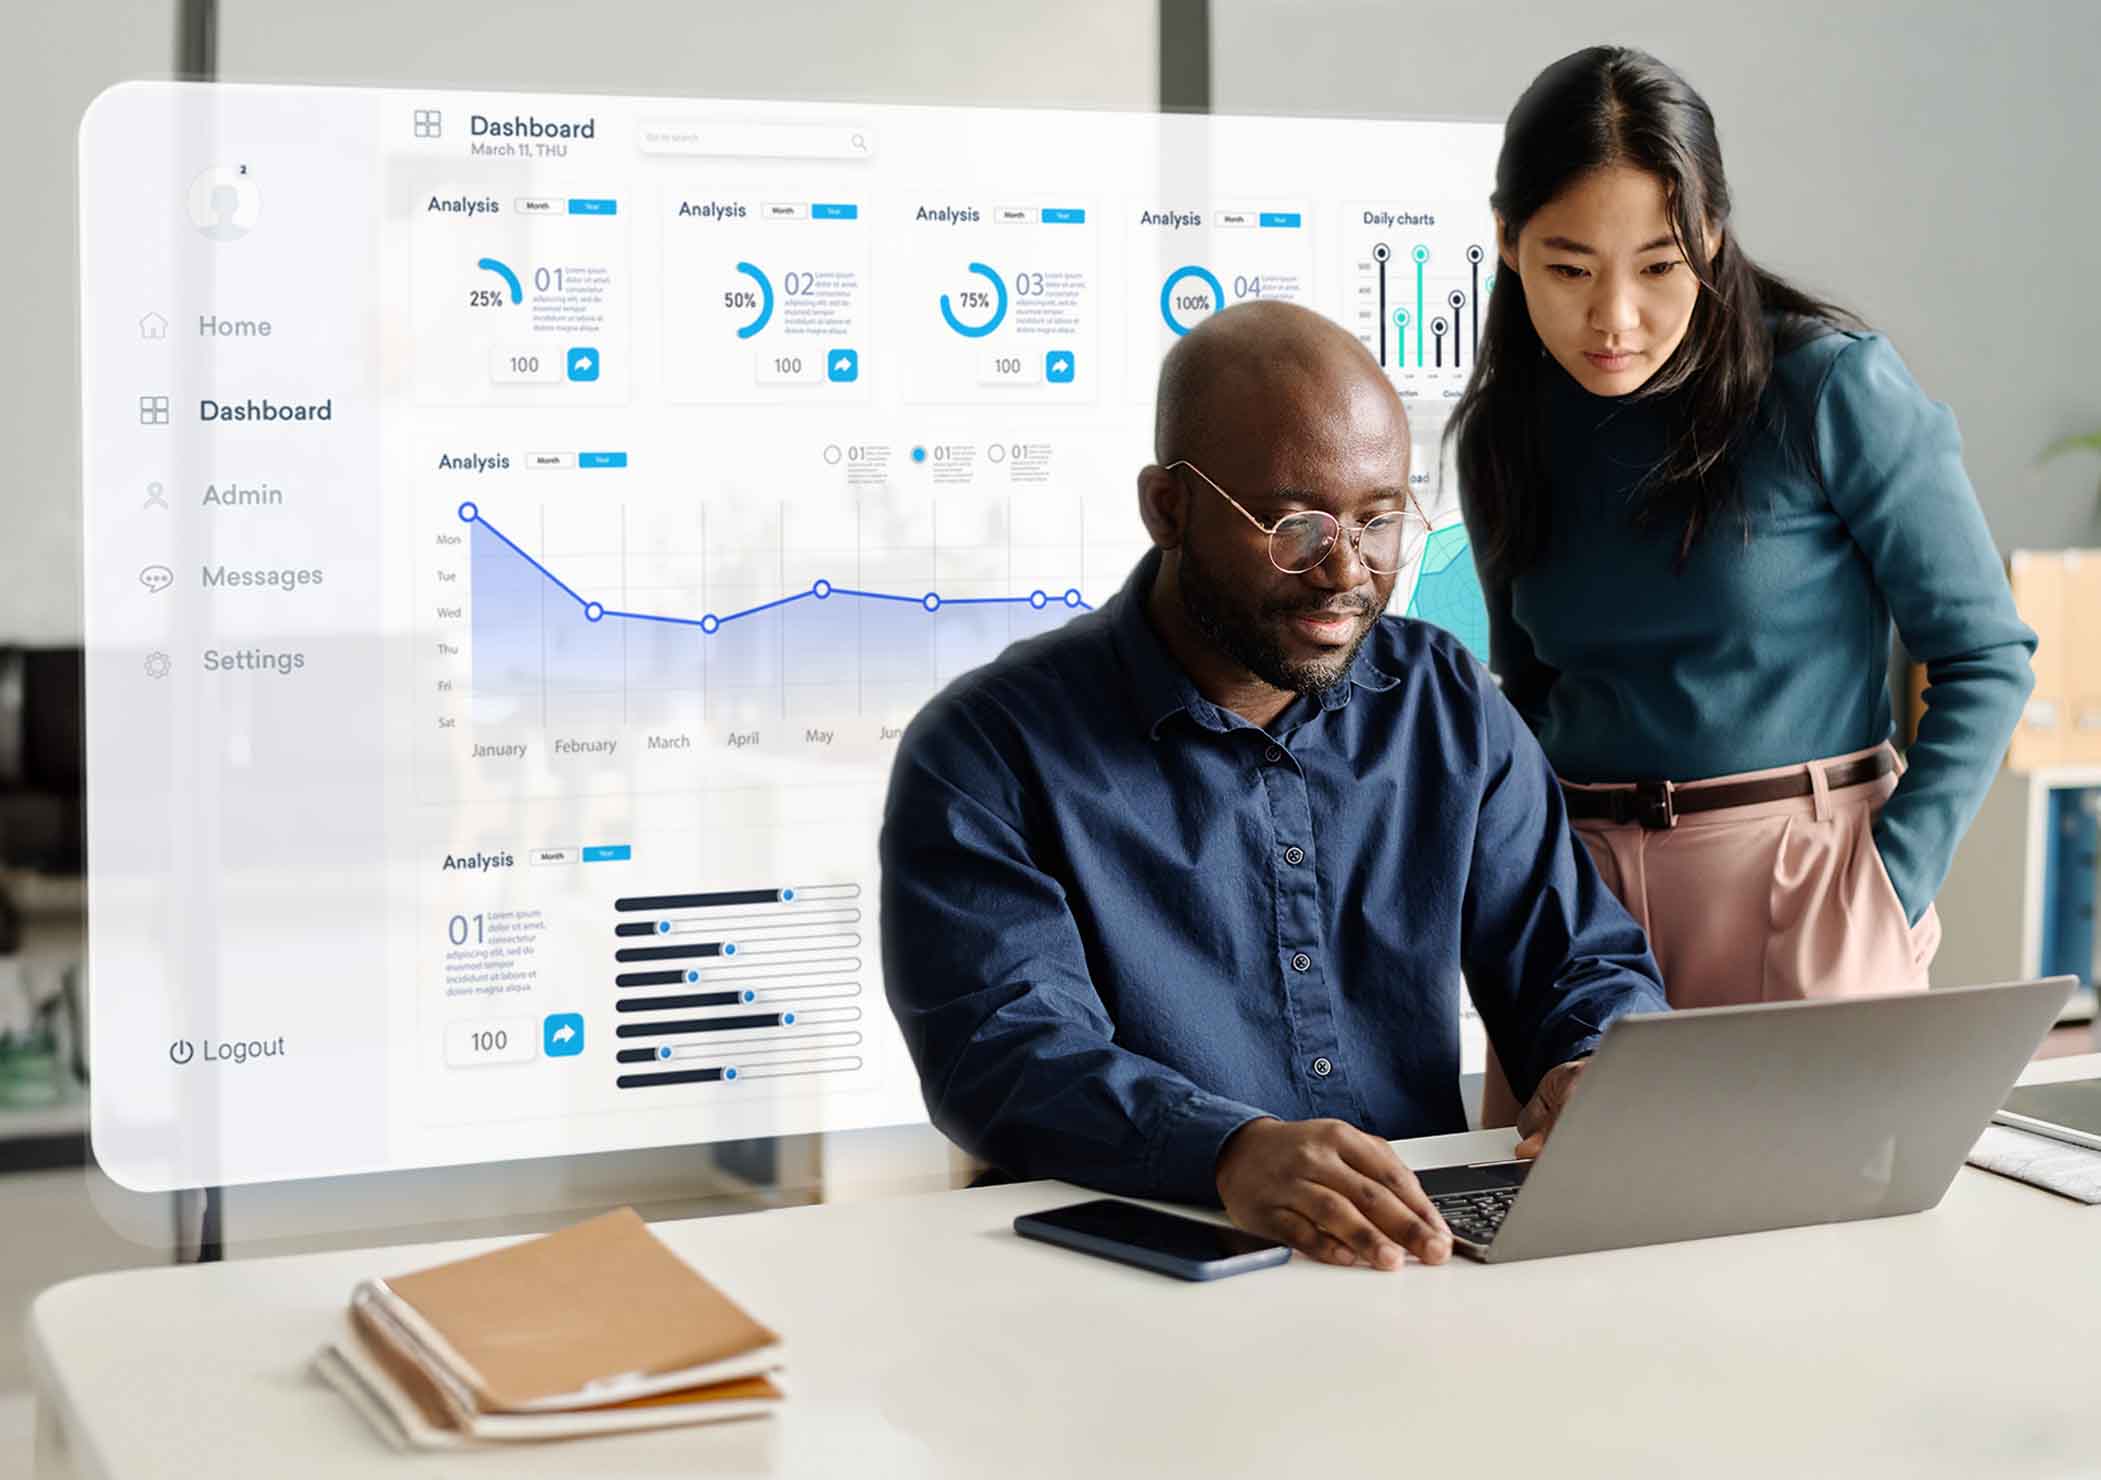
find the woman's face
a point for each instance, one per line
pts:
(1609, 292)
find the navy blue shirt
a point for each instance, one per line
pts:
(1119, 921)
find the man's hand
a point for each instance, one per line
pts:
(1536, 1121)
(1330, 1191)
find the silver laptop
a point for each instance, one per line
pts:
(1726, 1120)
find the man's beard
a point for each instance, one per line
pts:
(1251, 637)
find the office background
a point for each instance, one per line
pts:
(1929, 164)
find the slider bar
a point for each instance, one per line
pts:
(793, 1047)
(660, 902)
(740, 1045)
(634, 927)
(649, 978)
(670, 1076)
(686, 999)
(740, 925)
(668, 953)
(704, 1025)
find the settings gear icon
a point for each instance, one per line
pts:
(159, 665)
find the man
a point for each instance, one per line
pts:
(1175, 897)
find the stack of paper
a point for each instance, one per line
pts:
(595, 1329)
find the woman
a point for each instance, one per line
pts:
(1698, 499)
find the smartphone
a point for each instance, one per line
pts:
(1186, 1248)
(2069, 1112)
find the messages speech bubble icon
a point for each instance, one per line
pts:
(156, 578)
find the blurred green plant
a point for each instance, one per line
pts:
(2091, 442)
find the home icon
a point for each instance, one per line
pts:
(153, 326)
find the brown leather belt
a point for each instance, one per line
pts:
(1657, 805)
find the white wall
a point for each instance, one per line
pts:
(59, 57)
(1932, 165)
(1080, 53)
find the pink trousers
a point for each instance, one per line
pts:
(1763, 903)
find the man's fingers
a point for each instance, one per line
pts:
(1397, 1202)
(1303, 1234)
(1339, 1216)
(1530, 1147)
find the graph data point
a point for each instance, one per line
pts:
(821, 589)
(1038, 600)
(469, 513)
(594, 612)
(1474, 254)
(710, 622)
(1072, 596)
(931, 602)
(1422, 255)
(1381, 252)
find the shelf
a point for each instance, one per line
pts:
(2055, 778)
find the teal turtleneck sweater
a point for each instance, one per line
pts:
(1774, 650)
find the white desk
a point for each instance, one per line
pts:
(926, 1339)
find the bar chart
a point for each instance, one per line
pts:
(1415, 281)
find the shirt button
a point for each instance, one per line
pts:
(1322, 1068)
(1294, 856)
(1273, 755)
(1302, 962)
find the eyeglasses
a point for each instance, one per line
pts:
(1301, 540)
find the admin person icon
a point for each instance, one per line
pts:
(562, 1035)
(225, 202)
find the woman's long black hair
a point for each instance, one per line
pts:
(1611, 105)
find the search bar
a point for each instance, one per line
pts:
(732, 140)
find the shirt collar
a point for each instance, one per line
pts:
(1161, 688)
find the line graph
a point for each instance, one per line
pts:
(745, 624)
(820, 590)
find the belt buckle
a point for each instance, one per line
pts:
(1653, 805)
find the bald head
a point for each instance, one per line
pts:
(1256, 365)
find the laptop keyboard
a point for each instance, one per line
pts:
(1475, 1216)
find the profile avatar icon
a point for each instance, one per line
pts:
(225, 203)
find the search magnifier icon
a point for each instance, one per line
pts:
(859, 142)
